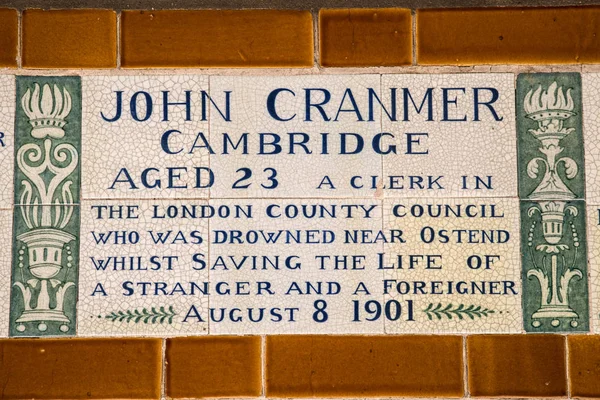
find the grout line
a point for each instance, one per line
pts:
(316, 39)
(19, 39)
(466, 393)
(567, 369)
(118, 40)
(163, 380)
(314, 71)
(413, 16)
(263, 366)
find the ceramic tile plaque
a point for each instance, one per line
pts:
(176, 205)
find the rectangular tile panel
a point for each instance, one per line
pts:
(300, 204)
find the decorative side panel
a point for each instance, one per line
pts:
(46, 215)
(551, 189)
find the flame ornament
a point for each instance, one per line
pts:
(47, 114)
(553, 258)
(47, 164)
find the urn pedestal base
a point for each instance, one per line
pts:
(554, 312)
(42, 316)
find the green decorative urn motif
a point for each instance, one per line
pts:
(552, 217)
(46, 229)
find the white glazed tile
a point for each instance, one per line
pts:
(339, 306)
(593, 240)
(507, 314)
(300, 174)
(590, 84)
(109, 147)
(7, 126)
(181, 243)
(6, 221)
(455, 148)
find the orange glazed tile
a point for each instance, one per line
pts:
(9, 37)
(80, 368)
(69, 39)
(211, 38)
(517, 365)
(309, 366)
(365, 37)
(569, 35)
(584, 365)
(214, 366)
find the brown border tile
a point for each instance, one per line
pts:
(216, 38)
(69, 39)
(364, 366)
(568, 35)
(81, 368)
(365, 37)
(214, 366)
(526, 365)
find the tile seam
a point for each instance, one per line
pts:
(118, 39)
(567, 366)
(316, 38)
(315, 70)
(413, 16)
(19, 40)
(163, 372)
(466, 393)
(263, 365)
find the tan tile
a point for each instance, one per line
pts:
(137, 144)
(69, 39)
(99, 315)
(7, 138)
(357, 366)
(365, 37)
(216, 38)
(590, 84)
(468, 149)
(516, 365)
(81, 368)
(249, 114)
(223, 366)
(566, 35)
(498, 310)
(9, 37)
(292, 306)
(584, 365)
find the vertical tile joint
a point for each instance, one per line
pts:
(19, 39)
(163, 372)
(413, 20)
(567, 366)
(263, 365)
(465, 367)
(118, 39)
(316, 38)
